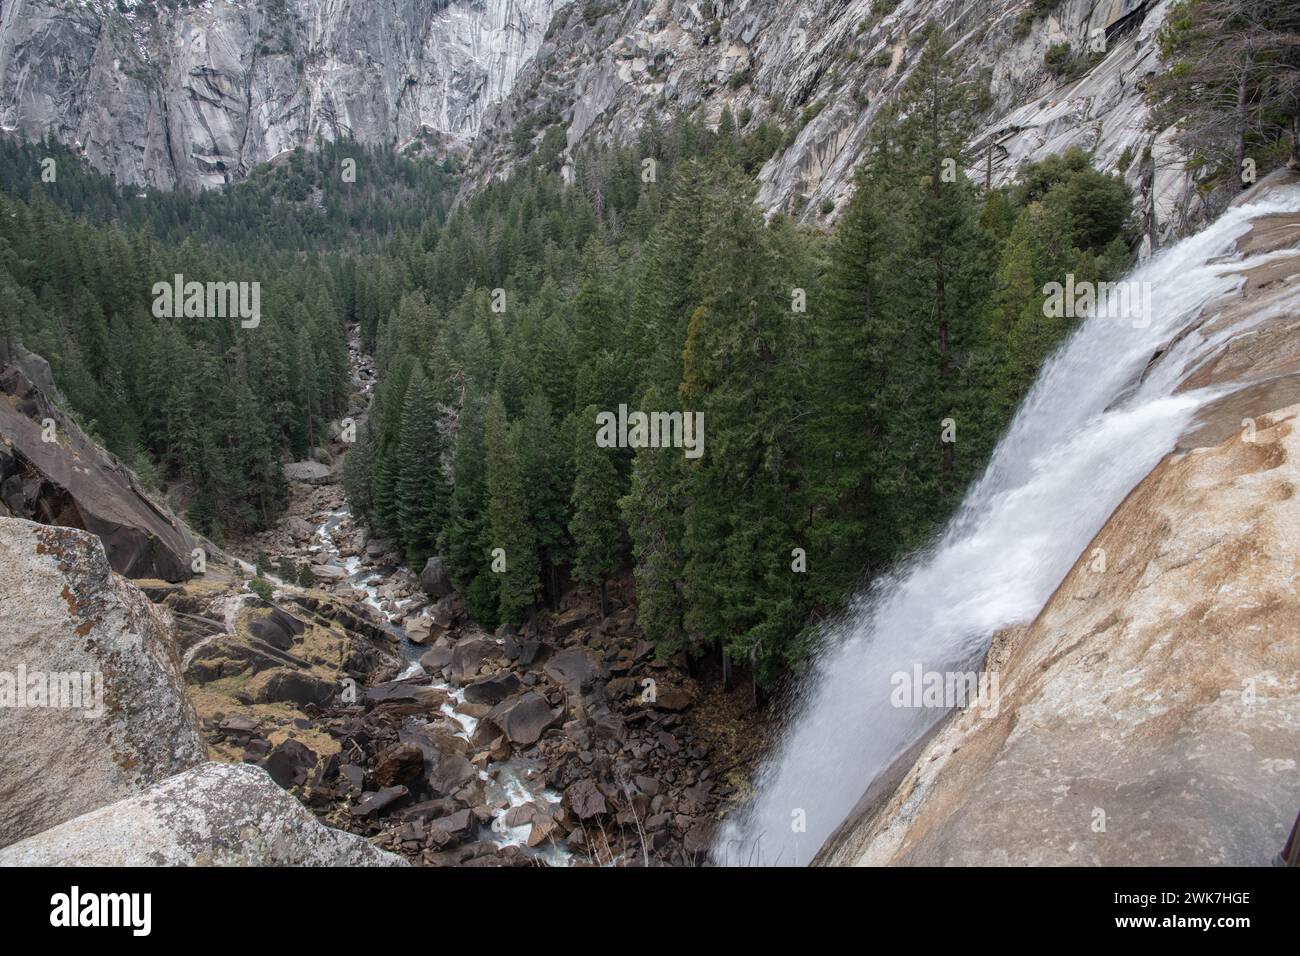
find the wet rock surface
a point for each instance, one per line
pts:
(1155, 696)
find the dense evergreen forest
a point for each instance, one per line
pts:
(203, 405)
(829, 370)
(851, 385)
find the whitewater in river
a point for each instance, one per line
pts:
(506, 783)
(1091, 428)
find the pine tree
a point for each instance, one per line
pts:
(468, 535)
(652, 512)
(545, 469)
(358, 468)
(511, 535)
(421, 490)
(1232, 89)
(595, 528)
(741, 521)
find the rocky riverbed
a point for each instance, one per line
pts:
(376, 700)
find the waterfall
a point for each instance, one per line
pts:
(1095, 423)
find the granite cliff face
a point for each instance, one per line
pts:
(824, 70)
(194, 94)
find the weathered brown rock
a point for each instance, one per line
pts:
(307, 472)
(572, 668)
(449, 773)
(407, 692)
(469, 654)
(522, 719)
(492, 690)
(585, 800)
(289, 762)
(376, 801)
(71, 482)
(434, 578)
(400, 763)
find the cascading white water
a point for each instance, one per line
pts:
(1090, 429)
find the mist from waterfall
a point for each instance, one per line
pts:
(1093, 425)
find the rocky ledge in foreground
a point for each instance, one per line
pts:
(71, 628)
(214, 815)
(103, 759)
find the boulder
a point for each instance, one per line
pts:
(468, 656)
(436, 658)
(418, 629)
(672, 698)
(289, 762)
(307, 472)
(434, 578)
(213, 815)
(564, 624)
(38, 371)
(374, 801)
(528, 652)
(522, 719)
(73, 632)
(584, 800)
(572, 668)
(521, 815)
(454, 828)
(544, 830)
(449, 773)
(399, 763)
(295, 687)
(406, 692)
(434, 740)
(71, 482)
(300, 529)
(492, 690)
(328, 572)
(277, 627)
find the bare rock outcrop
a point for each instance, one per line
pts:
(92, 707)
(52, 472)
(213, 815)
(824, 72)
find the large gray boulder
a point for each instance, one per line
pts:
(307, 472)
(76, 635)
(70, 481)
(434, 578)
(214, 815)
